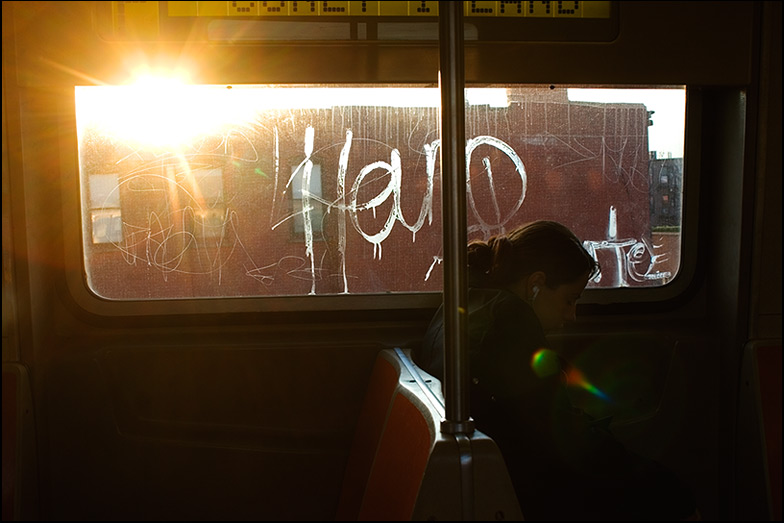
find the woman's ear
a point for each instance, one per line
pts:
(537, 279)
(534, 283)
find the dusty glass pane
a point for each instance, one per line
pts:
(291, 190)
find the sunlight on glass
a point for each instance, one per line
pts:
(165, 112)
(246, 190)
(158, 112)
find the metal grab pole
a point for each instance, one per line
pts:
(451, 81)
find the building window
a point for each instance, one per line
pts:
(105, 214)
(209, 207)
(308, 209)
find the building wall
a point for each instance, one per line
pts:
(224, 216)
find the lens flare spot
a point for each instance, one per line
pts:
(575, 378)
(545, 363)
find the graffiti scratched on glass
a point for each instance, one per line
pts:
(269, 200)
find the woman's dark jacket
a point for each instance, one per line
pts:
(564, 464)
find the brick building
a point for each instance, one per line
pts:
(346, 199)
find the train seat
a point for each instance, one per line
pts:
(401, 466)
(372, 417)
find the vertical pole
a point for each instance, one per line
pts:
(451, 81)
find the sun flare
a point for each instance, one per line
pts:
(169, 113)
(157, 111)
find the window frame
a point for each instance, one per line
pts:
(645, 297)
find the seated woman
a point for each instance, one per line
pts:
(564, 465)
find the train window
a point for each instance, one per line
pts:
(192, 191)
